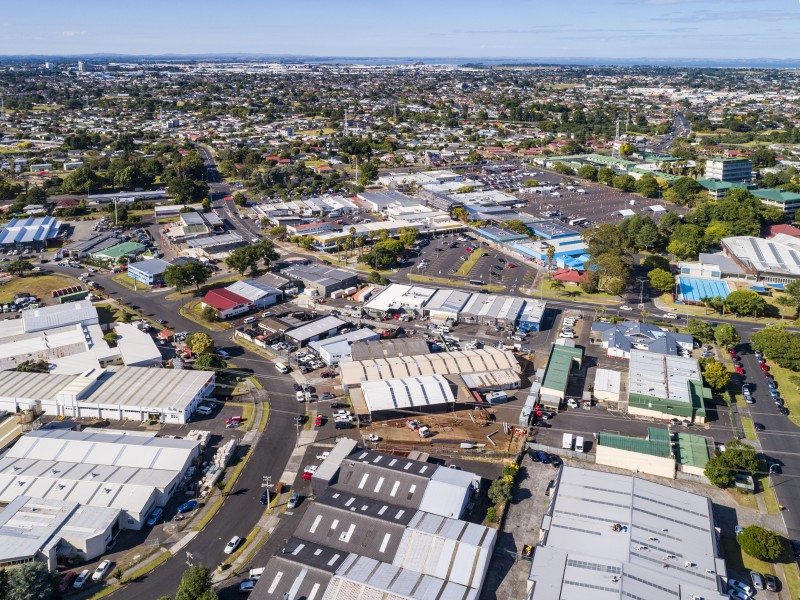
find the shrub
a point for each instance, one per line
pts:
(760, 543)
(491, 514)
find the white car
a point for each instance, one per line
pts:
(81, 579)
(735, 584)
(323, 456)
(735, 594)
(625, 307)
(374, 438)
(670, 316)
(231, 546)
(310, 469)
(564, 334)
(101, 570)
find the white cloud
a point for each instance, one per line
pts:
(69, 34)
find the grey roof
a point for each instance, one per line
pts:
(314, 328)
(361, 471)
(361, 576)
(224, 239)
(662, 376)
(283, 576)
(368, 507)
(385, 198)
(252, 289)
(273, 280)
(95, 242)
(665, 550)
(448, 301)
(59, 315)
(313, 555)
(373, 349)
(319, 275)
(330, 466)
(447, 491)
(350, 529)
(726, 264)
(151, 266)
(644, 336)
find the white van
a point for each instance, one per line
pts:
(282, 367)
(579, 444)
(204, 409)
(249, 320)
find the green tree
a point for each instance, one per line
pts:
(662, 280)
(683, 191)
(655, 262)
(460, 214)
(375, 277)
(516, 226)
(716, 375)
(368, 173)
(209, 313)
(647, 186)
(19, 267)
(700, 330)
(196, 584)
(648, 236)
(111, 338)
(278, 232)
(779, 345)
(239, 199)
(625, 182)
(557, 286)
(563, 169)
(408, 235)
(209, 362)
(31, 581)
(196, 273)
(551, 254)
(725, 334)
(719, 473)
(737, 458)
(34, 366)
(84, 180)
(760, 543)
(588, 172)
(383, 254)
(243, 258)
(746, 302)
(266, 252)
(792, 290)
(500, 491)
(177, 276)
(187, 191)
(200, 343)
(606, 176)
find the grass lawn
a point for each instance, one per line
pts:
(574, 291)
(37, 285)
(770, 499)
(316, 163)
(789, 391)
(747, 500)
(466, 266)
(192, 312)
(749, 430)
(129, 282)
(449, 282)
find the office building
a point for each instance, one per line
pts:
(729, 169)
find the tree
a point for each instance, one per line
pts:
(760, 543)
(662, 280)
(655, 262)
(725, 334)
(516, 225)
(196, 584)
(648, 235)
(243, 258)
(746, 302)
(368, 174)
(187, 191)
(209, 362)
(737, 458)
(266, 252)
(375, 277)
(778, 345)
(408, 235)
(209, 313)
(557, 286)
(30, 581)
(460, 214)
(792, 290)
(196, 273)
(111, 339)
(383, 254)
(700, 330)
(239, 199)
(500, 491)
(606, 175)
(588, 172)
(647, 186)
(278, 232)
(551, 253)
(82, 180)
(34, 366)
(563, 169)
(716, 375)
(200, 343)
(177, 276)
(19, 267)
(625, 182)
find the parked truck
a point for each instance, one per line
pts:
(566, 441)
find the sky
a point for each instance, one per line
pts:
(531, 29)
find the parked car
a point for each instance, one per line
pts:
(66, 580)
(187, 506)
(326, 396)
(231, 546)
(81, 579)
(757, 579)
(771, 582)
(293, 500)
(101, 570)
(155, 516)
(625, 307)
(758, 427)
(735, 594)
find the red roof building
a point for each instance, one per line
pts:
(772, 230)
(569, 276)
(227, 303)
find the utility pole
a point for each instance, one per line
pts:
(266, 482)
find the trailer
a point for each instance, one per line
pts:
(566, 441)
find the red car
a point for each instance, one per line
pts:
(66, 581)
(731, 350)
(512, 266)
(318, 421)
(740, 370)
(306, 476)
(764, 367)
(468, 250)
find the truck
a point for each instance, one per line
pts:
(579, 444)
(496, 397)
(566, 441)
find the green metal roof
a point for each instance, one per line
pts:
(654, 447)
(120, 250)
(776, 195)
(559, 365)
(692, 450)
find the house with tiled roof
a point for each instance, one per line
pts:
(619, 339)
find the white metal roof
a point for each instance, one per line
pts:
(398, 394)
(608, 380)
(780, 254)
(662, 375)
(59, 315)
(136, 347)
(314, 328)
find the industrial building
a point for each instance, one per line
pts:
(50, 530)
(338, 349)
(382, 526)
(214, 245)
(132, 393)
(729, 169)
(397, 298)
(389, 398)
(564, 356)
(606, 536)
(259, 294)
(776, 260)
(131, 472)
(620, 338)
(324, 280)
(29, 233)
(116, 253)
(227, 303)
(148, 271)
(314, 330)
(661, 386)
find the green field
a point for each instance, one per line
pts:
(36, 285)
(789, 391)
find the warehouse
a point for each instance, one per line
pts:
(445, 305)
(776, 260)
(532, 316)
(29, 233)
(302, 571)
(149, 271)
(132, 473)
(484, 360)
(116, 254)
(389, 348)
(46, 531)
(490, 309)
(314, 330)
(563, 357)
(398, 298)
(390, 398)
(132, 393)
(136, 347)
(324, 280)
(214, 245)
(629, 537)
(337, 349)
(259, 294)
(661, 386)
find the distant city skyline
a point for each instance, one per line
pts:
(626, 29)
